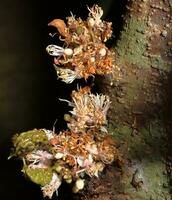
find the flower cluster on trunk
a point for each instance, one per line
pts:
(86, 147)
(84, 53)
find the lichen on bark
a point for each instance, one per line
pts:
(140, 108)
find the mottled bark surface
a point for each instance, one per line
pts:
(140, 115)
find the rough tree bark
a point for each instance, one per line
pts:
(140, 115)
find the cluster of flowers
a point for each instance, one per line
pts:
(84, 149)
(89, 110)
(84, 53)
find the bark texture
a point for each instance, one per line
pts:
(140, 114)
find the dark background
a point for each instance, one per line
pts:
(29, 89)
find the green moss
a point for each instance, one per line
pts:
(38, 176)
(29, 141)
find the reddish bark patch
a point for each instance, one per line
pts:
(107, 187)
(160, 35)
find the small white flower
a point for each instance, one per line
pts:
(101, 102)
(96, 13)
(95, 169)
(49, 134)
(82, 162)
(67, 75)
(39, 159)
(53, 186)
(59, 155)
(92, 148)
(54, 50)
(89, 110)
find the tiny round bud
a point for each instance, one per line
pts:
(75, 189)
(91, 22)
(59, 155)
(67, 176)
(79, 184)
(58, 169)
(67, 117)
(102, 52)
(92, 59)
(100, 166)
(68, 51)
(68, 180)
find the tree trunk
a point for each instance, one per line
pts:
(140, 114)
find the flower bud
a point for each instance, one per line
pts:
(91, 22)
(68, 52)
(102, 52)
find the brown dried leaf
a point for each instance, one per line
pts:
(60, 25)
